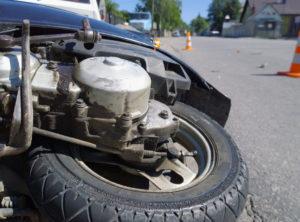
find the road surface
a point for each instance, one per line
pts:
(265, 116)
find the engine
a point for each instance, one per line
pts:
(106, 101)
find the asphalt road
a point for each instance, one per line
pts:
(265, 116)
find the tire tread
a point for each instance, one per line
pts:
(223, 208)
(233, 201)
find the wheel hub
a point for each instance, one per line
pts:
(168, 174)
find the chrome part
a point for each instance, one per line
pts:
(116, 85)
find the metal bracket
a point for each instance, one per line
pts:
(162, 182)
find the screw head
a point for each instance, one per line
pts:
(126, 116)
(164, 114)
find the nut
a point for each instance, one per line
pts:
(164, 114)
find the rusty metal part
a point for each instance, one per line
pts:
(16, 119)
(123, 134)
(80, 109)
(64, 138)
(6, 104)
(87, 35)
(11, 151)
(52, 66)
(21, 136)
(9, 30)
(6, 41)
(26, 91)
(72, 140)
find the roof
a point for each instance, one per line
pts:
(267, 12)
(286, 7)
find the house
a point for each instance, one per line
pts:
(288, 10)
(265, 23)
(102, 9)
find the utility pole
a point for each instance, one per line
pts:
(152, 14)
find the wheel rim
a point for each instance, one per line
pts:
(188, 137)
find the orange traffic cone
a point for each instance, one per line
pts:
(295, 67)
(188, 42)
(157, 43)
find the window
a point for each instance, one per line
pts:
(270, 25)
(267, 26)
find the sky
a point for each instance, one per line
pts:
(190, 8)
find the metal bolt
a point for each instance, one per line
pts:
(126, 117)
(141, 128)
(80, 103)
(164, 114)
(80, 109)
(52, 65)
(125, 121)
(55, 75)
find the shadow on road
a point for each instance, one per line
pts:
(269, 75)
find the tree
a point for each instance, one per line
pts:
(124, 15)
(112, 9)
(167, 13)
(199, 24)
(140, 8)
(184, 27)
(232, 8)
(218, 9)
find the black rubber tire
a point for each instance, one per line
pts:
(65, 192)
